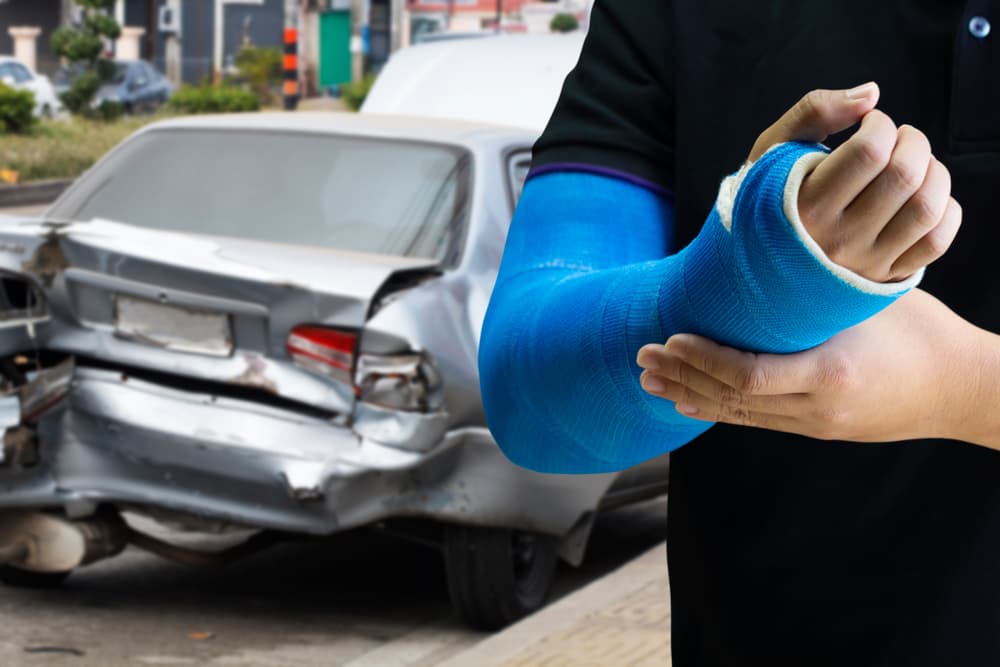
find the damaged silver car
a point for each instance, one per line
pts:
(266, 326)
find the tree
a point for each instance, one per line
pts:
(564, 23)
(261, 69)
(83, 46)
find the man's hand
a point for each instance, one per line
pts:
(880, 204)
(915, 370)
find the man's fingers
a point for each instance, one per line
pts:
(687, 377)
(848, 170)
(922, 213)
(817, 115)
(757, 374)
(885, 196)
(692, 404)
(932, 245)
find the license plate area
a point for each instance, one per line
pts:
(172, 327)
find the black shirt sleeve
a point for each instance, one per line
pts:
(616, 111)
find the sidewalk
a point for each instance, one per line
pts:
(621, 620)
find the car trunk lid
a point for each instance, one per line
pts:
(206, 308)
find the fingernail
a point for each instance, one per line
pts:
(686, 409)
(646, 360)
(675, 346)
(654, 385)
(863, 92)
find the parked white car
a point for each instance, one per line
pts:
(511, 80)
(16, 74)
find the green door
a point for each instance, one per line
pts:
(334, 48)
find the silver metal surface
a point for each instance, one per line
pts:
(184, 399)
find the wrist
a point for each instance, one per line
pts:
(976, 418)
(793, 289)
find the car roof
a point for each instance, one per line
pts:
(389, 126)
(509, 79)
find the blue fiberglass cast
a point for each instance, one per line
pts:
(586, 281)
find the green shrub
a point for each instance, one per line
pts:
(213, 99)
(354, 93)
(563, 23)
(16, 109)
(261, 69)
(83, 47)
(108, 111)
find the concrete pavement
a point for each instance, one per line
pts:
(620, 620)
(355, 600)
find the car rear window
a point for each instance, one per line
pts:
(361, 194)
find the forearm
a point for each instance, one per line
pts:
(972, 405)
(575, 301)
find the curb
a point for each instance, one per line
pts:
(32, 194)
(620, 619)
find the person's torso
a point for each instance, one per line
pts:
(785, 550)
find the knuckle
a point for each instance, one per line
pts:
(908, 174)
(738, 415)
(681, 372)
(811, 209)
(730, 396)
(811, 103)
(927, 210)
(873, 152)
(707, 365)
(837, 249)
(936, 242)
(838, 374)
(751, 380)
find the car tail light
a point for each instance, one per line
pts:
(324, 351)
(408, 382)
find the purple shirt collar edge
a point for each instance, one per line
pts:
(600, 171)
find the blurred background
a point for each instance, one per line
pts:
(240, 399)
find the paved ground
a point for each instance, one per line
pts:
(360, 600)
(621, 620)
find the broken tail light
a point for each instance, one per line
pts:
(323, 351)
(409, 381)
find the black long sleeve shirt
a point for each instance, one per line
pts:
(785, 550)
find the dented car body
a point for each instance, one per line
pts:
(273, 356)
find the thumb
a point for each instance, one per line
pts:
(817, 115)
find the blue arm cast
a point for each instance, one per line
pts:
(586, 281)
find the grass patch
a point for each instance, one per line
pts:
(65, 148)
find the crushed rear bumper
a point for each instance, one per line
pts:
(129, 442)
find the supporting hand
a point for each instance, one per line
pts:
(915, 370)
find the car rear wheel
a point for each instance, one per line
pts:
(497, 576)
(18, 578)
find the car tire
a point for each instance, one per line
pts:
(17, 578)
(497, 576)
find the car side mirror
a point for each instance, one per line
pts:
(7, 80)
